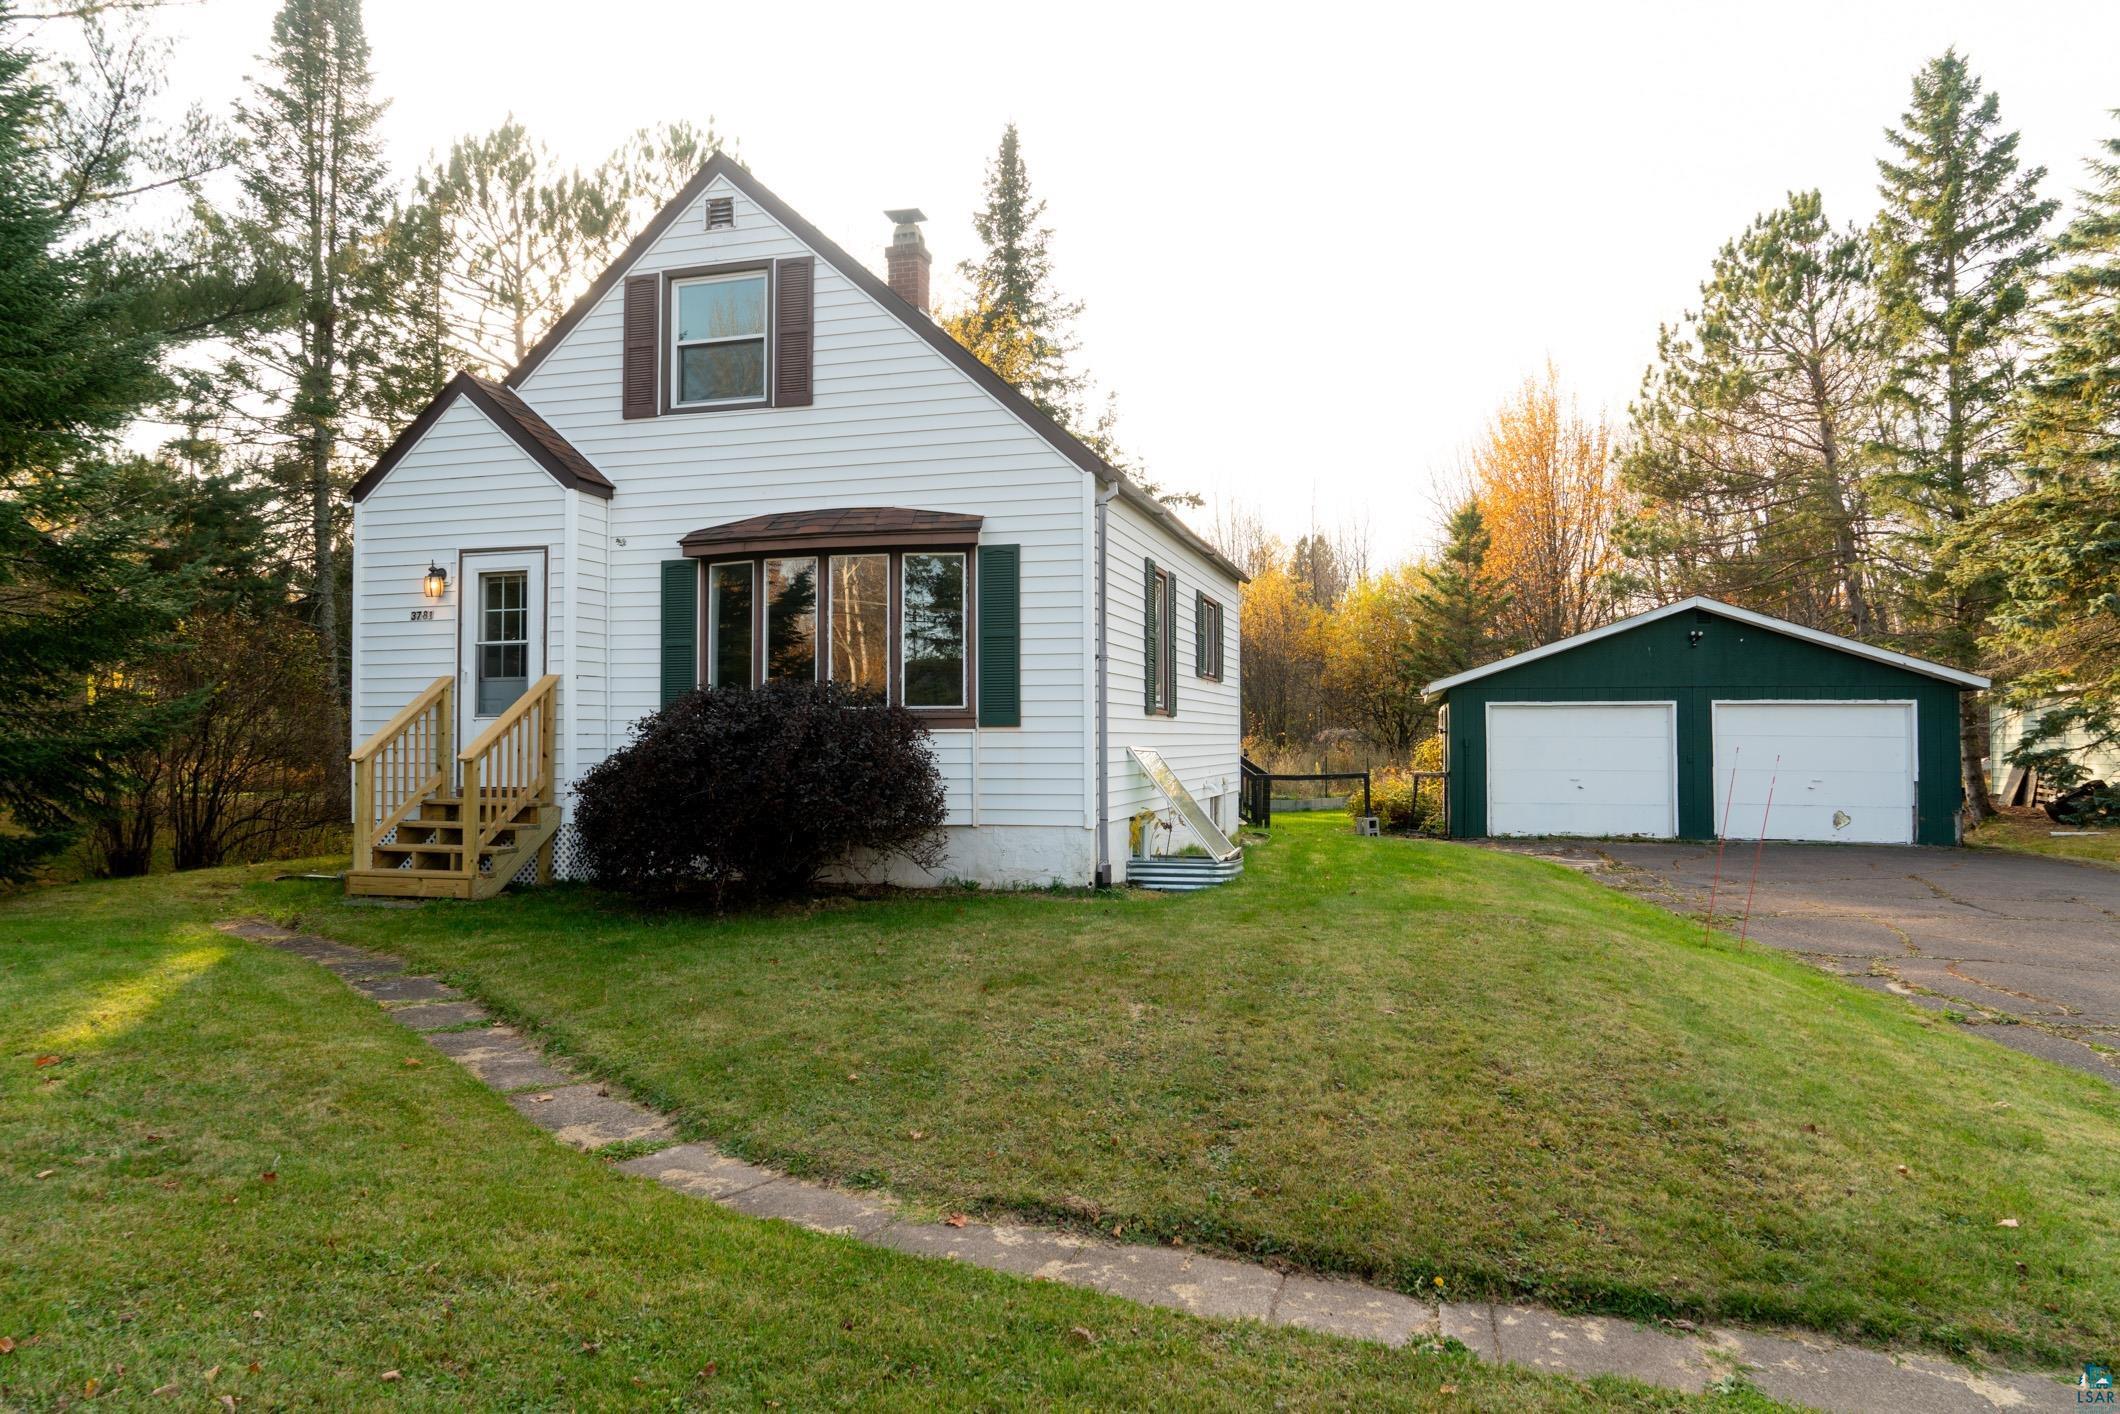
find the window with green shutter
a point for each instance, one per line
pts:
(1159, 641)
(1000, 636)
(680, 628)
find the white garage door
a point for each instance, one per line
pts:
(1846, 772)
(1582, 768)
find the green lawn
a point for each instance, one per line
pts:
(238, 1178)
(1396, 1059)
(2030, 832)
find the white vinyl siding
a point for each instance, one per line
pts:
(893, 423)
(1202, 739)
(466, 486)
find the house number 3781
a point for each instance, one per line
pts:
(419, 615)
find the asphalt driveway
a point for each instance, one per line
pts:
(1997, 937)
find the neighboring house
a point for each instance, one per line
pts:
(742, 455)
(1677, 723)
(2007, 727)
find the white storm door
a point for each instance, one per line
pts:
(501, 636)
(1846, 770)
(1582, 768)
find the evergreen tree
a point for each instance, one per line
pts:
(317, 194)
(1015, 310)
(2055, 551)
(1457, 610)
(2072, 416)
(1958, 246)
(1747, 447)
(84, 320)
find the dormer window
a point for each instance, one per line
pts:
(718, 343)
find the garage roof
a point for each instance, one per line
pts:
(1729, 611)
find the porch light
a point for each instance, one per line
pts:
(437, 581)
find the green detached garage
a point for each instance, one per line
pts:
(1667, 724)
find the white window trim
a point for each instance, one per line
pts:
(964, 615)
(764, 338)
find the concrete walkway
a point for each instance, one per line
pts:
(1795, 1368)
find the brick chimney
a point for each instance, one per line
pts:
(907, 258)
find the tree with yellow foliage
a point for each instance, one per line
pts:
(1546, 486)
(1283, 638)
(1371, 642)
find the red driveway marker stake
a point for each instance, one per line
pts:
(1746, 924)
(1722, 840)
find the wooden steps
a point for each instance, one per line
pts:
(427, 858)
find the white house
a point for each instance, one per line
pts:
(735, 407)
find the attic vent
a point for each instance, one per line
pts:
(721, 211)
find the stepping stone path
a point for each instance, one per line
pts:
(1798, 1369)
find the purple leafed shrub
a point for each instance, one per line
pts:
(754, 794)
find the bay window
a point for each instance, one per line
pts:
(897, 623)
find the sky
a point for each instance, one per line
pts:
(1317, 245)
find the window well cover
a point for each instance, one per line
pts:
(1210, 834)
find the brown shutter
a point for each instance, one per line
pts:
(643, 341)
(793, 298)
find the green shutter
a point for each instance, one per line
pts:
(1170, 649)
(1000, 636)
(1151, 669)
(1199, 634)
(680, 628)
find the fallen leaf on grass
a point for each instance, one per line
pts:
(7, 1345)
(915, 1134)
(390, 1377)
(412, 1060)
(1081, 1335)
(90, 1386)
(228, 1401)
(540, 1099)
(2005, 1222)
(46, 1173)
(211, 1373)
(268, 1177)
(590, 1347)
(1449, 1389)
(42, 1061)
(256, 1368)
(162, 1391)
(1901, 1170)
(955, 1220)
(706, 1371)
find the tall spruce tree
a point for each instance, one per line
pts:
(1457, 610)
(1747, 452)
(2055, 550)
(84, 321)
(1959, 243)
(1015, 313)
(318, 201)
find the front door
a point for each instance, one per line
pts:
(501, 642)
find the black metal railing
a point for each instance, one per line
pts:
(1255, 798)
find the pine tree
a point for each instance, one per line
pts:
(2055, 551)
(316, 185)
(2072, 416)
(83, 324)
(1958, 246)
(1457, 610)
(1747, 448)
(1015, 309)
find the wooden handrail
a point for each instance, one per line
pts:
(510, 717)
(405, 714)
(508, 767)
(401, 765)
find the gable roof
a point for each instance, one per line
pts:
(513, 416)
(720, 166)
(1852, 646)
